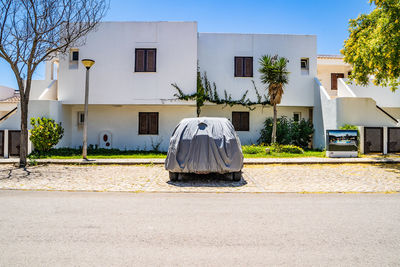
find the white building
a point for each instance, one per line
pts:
(131, 98)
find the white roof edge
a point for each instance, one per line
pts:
(278, 34)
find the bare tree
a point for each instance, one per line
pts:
(34, 31)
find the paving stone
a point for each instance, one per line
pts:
(256, 178)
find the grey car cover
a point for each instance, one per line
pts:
(204, 145)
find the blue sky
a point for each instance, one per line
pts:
(328, 19)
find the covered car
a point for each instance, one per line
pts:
(204, 145)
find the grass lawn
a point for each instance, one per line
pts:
(68, 153)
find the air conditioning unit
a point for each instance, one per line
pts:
(105, 140)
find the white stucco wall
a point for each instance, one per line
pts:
(112, 78)
(37, 108)
(216, 54)
(257, 118)
(383, 96)
(122, 122)
(326, 68)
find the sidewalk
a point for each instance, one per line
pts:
(249, 161)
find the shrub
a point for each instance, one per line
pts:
(45, 133)
(289, 132)
(253, 149)
(348, 127)
(287, 149)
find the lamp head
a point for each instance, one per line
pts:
(87, 63)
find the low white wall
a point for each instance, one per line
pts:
(344, 90)
(37, 108)
(383, 96)
(44, 90)
(361, 111)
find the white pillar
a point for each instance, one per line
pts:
(361, 144)
(29, 143)
(385, 140)
(5, 144)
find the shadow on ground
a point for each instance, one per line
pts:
(207, 180)
(392, 167)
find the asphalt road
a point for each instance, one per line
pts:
(107, 229)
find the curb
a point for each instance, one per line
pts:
(202, 192)
(248, 161)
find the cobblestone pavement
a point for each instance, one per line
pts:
(256, 178)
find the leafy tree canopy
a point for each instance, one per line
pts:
(373, 47)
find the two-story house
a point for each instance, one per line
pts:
(132, 104)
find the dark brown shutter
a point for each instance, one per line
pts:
(244, 121)
(236, 120)
(248, 67)
(139, 60)
(238, 67)
(153, 123)
(151, 60)
(143, 122)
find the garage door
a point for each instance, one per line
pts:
(393, 140)
(13, 143)
(373, 140)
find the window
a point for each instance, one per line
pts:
(74, 55)
(240, 121)
(304, 66)
(145, 60)
(148, 122)
(297, 116)
(243, 66)
(81, 117)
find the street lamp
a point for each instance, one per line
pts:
(87, 63)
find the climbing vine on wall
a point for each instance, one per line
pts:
(207, 92)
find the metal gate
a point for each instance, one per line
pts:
(393, 140)
(373, 140)
(1, 143)
(14, 142)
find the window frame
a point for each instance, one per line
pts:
(145, 60)
(140, 131)
(243, 67)
(240, 128)
(297, 113)
(79, 115)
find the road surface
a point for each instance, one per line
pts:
(233, 229)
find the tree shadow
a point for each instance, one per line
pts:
(206, 180)
(392, 167)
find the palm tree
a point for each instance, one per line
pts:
(274, 74)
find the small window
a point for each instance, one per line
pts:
(297, 116)
(148, 122)
(145, 60)
(304, 63)
(74, 55)
(243, 66)
(81, 118)
(240, 121)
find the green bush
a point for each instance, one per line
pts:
(348, 127)
(287, 149)
(288, 132)
(253, 149)
(45, 133)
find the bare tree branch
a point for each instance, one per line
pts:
(33, 31)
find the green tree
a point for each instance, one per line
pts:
(373, 47)
(274, 74)
(45, 133)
